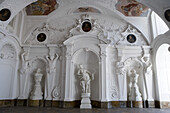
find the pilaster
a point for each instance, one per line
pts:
(103, 74)
(68, 79)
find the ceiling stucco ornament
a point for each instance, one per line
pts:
(139, 41)
(96, 29)
(87, 9)
(45, 29)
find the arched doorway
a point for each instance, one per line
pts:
(163, 71)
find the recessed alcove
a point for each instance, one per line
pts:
(90, 62)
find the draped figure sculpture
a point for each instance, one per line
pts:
(51, 70)
(85, 78)
(25, 66)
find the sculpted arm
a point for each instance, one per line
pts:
(47, 58)
(22, 56)
(79, 72)
(57, 56)
(142, 59)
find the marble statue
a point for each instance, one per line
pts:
(85, 78)
(121, 73)
(147, 70)
(25, 63)
(51, 63)
(51, 69)
(37, 93)
(23, 74)
(134, 94)
(121, 69)
(147, 65)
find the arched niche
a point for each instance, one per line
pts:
(8, 69)
(163, 71)
(35, 64)
(90, 62)
(85, 42)
(134, 63)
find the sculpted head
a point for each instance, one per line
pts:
(38, 70)
(133, 71)
(146, 59)
(51, 57)
(81, 66)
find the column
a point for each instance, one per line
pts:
(121, 74)
(103, 77)
(68, 79)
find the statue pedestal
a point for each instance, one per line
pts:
(135, 95)
(85, 101)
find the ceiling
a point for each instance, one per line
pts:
(15, 6)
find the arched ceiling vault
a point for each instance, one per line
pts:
(158, 6)
(15, 6)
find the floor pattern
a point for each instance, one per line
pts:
(76, 110)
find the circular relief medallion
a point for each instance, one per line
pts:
(5, 14)
(131, 38)
(86, 26)
(41, 37)
(167, 15)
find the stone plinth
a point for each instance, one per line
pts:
(85, 101)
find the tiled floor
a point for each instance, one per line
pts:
(76, 110)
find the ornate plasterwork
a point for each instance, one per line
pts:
(134, 63)
(114, 93)
(50, 33)
(56, 94)
(51, 70)
(113, 35)
(140, 40)
(77, 30)
(8, 52)
(44, 29)
(86, 9)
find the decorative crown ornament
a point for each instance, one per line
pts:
(86, 17)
